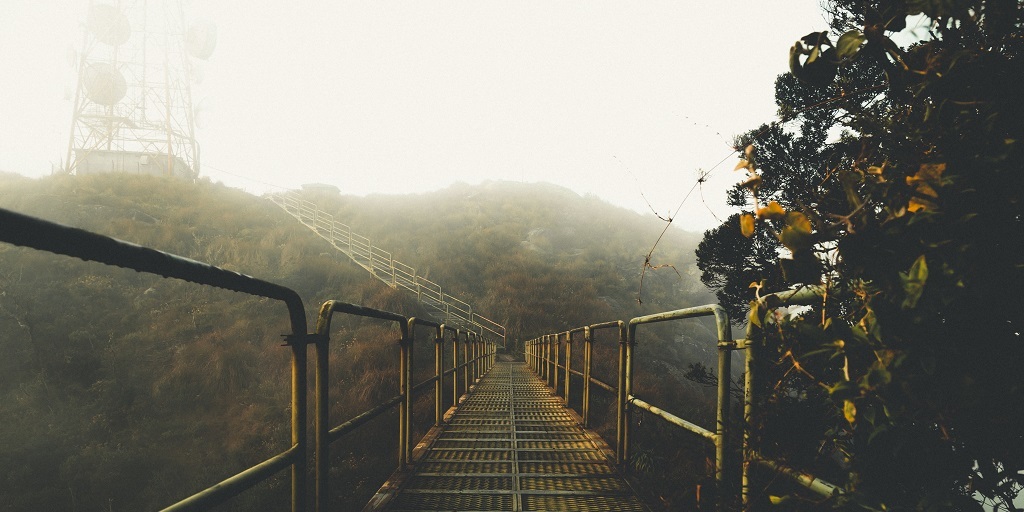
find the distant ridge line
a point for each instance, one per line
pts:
(382, 264)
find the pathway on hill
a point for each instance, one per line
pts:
(511, 445)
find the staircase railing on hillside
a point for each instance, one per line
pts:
(477, 357)
(382, 264)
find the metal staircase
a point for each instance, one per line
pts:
(382, 265)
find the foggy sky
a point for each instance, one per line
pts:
(607, 98)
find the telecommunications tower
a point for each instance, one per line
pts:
(133, 109)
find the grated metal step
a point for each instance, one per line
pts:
(513, 446)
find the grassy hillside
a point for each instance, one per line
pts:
(123, 391)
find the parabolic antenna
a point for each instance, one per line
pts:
(201, 39)
(108, 24)
(104, 84)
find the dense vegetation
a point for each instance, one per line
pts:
(903, 385)
(124, 391)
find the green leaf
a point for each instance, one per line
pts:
(876, 377)
(849, 43)
(913, 282)
(843, 390)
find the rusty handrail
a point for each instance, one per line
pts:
(23, 230)
(543, 355)
(26, 231)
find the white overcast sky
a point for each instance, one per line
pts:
(607, 98)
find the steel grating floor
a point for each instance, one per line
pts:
(511, 445)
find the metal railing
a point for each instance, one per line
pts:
(478, 356)
(382, 265)
(544, 355)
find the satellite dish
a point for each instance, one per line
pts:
(108, 24)
(202, 112)
(104, 84)
(201, 39)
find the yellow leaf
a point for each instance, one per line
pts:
(924, 180)
(743, 164)
(772, 211)
(850, 411)
(747, 225)
(752, 182)
(796, 236)
(799, 222)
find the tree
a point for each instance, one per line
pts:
(910, 221)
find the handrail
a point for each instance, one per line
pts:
(804, 295)
(23, 230)
(382, 264)
(543, 354)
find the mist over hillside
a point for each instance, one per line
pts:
(125, 391)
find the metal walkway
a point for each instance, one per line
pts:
(511, 445)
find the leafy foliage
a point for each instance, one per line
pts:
(904, 381)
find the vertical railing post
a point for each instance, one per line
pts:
(410, 356)
(568, 364)
(723, 447)
(403, 385)
(394, 279)
(749, 405)
(321, 420)
(630, 344)
(438, 374)
(586, 376)
(299, 382)
(549, 358)
(455, 369)
(465, 362)
(620, 404)
(558, 342)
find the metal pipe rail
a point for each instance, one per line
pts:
(382, 264)
(543, 354)
(18, 229)
(478, 355)
(800, 296)
(543, 357)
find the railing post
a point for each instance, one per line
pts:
(403, 384)
(750, 367)
(439, 375)
(455, 369)
(620, 409)
(568, 364)
(299, 382)
(409, 396)
(558, 343)
(465, 362)
(630, 344)
(586, 376)
(394, 279)
(723, 447)
(321, 421)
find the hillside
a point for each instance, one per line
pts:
(125, 391)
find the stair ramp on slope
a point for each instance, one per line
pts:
(382, 265)
(510, 445)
